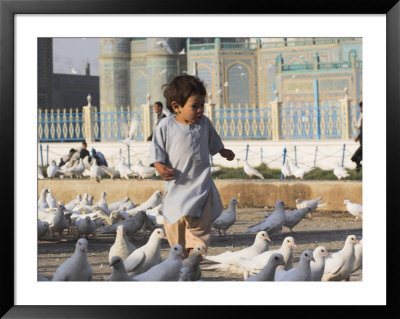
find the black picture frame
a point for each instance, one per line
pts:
(8, 10)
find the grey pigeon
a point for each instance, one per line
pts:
(227, 218)
(118, 272)
(167, 270)
(59, 222)
(122, 247)
(193, 262)
(184, 274)
(229, 259)
(43, 228)
(254, 265)
(318, 265)
(293, 217)
(132, 225)
(302, 272)
(85, 226)
(268, 272)
(341, 263)
(42, 203)
(273, 223)
(147, 256)
(118, 216)
(77, 267)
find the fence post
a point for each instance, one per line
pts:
(47, 154)
(345, 103)
(262, 160)
(275, 106)
(315, 156)
(283, 163)
(295, 156)
(316, 102)
(41, 155)
(88, 110)
(247, 153)
(147, 119)
(344, 148)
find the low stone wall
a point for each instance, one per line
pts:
(250, 193)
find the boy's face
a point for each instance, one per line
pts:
(192, 111)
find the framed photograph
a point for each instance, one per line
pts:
(22, 23)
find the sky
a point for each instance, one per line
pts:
(70, 55)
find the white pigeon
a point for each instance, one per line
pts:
(110, 171)
(293, 217)
(164, 44)
(153, 201)
(286, 170)
(302, 272)
(42, 203)
(95, 171)
(354, 209)
(312, 203)
(118, 272)
(227, 217)
(72, 203)
(40, 173)
(273, 223)
(122, 247)
(155, 214)
(318, 265)
(51, 201)
(43, 228)
(102, 203)
(52, 170)
(268, 272)
(143, 171)
(251, 171)
(79, 168)
(358, 254)
(147, 256)
(119, 204)
(124, 170)
(230, 261)
(182, 51)
(341, 263)
(77, 267)
(298, 172)
(340, 172)
(167, 270)
(254, 265)
(193, 262)
(184, 274)
(59, 221)
(85, 226)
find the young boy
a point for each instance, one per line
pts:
(180, 152)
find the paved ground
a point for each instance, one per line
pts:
(327, 229)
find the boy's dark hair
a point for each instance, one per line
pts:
(84, 143)
(159, 104)
(360, 104)
(181, 88)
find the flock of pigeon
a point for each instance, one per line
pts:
(84, 168)
(130, 263)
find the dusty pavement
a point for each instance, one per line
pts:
(327, 229)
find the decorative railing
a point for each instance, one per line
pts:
(238, 123)
(63, 126)
(117, 125)
(297, 121)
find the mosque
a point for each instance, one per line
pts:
(238, 72)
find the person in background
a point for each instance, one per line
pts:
(158, 109)
(66, 158)
(357, 157)
(80, 153)
(100, 158)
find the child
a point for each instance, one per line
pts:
(180, 152)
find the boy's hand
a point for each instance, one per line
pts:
(228, 154)
(167, 174)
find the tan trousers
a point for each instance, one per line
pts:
(189, 231)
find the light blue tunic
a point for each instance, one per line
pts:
(187, 149)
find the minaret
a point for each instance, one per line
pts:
(114, 60)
